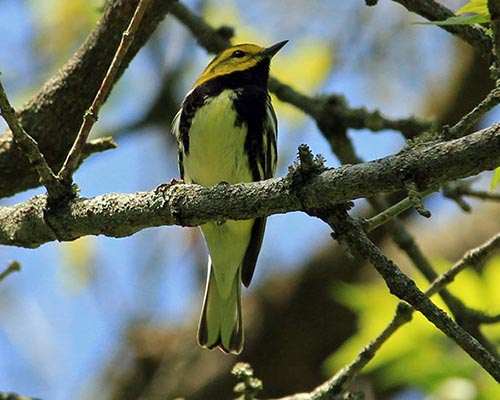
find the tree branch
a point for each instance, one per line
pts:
(31, 224)
(403, 315)
(456, 190)
(339, 383)
(392, 212)
(29, 147)
(333, 111)
(474, 116)
(405, 289)
(73, 158)
(52, 117)
(473, 258)
(494, 9)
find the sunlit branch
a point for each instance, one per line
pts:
(73, 159)
(30, 224)
(462, 127)
(29, 147)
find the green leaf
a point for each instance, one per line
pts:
(479, 7)
(461, 20)
(496, 179)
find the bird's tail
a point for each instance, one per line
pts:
(220, 321)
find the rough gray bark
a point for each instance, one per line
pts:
(31, 224)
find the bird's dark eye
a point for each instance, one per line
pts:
(238, 53)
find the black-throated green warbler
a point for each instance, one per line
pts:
(226, 132)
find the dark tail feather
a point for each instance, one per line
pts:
(220, 321)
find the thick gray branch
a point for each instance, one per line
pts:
(30, 224)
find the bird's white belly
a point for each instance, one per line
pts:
(217, 145)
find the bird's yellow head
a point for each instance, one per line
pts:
(238, 58)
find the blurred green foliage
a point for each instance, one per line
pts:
(418, 352)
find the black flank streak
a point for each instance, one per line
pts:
(191, 103)
(250, 107)
(180, 160)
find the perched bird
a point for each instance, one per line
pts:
(226, 133)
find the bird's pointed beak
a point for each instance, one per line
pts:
(270, 51)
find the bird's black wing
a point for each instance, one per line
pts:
(270, 128)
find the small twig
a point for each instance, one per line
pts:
(416, 198)
(72, 160)
(98, 145)
(307, 164)
(306, 159)
(393, 211)
(489, 319)
(471, 118)
(343, 378)
(29, 146)
(13, 266)
(334, 111)
(361, 118)
(481, 194)
(474, 258)
(455, 190)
